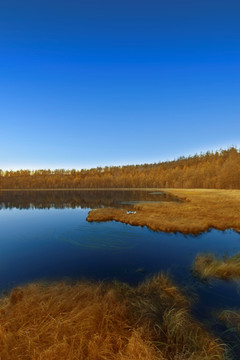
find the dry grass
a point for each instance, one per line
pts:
(201, 210)
(209, 266)
(90, 321)
(231, 318)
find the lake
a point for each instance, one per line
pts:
(45, 236)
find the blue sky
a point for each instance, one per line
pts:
(95, 83)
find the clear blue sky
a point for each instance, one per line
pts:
(90, 83)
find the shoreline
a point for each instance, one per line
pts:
(198, 211)
(120, 189)
(201, 210)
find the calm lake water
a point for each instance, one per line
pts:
(45, 236)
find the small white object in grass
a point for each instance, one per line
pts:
(130, 212)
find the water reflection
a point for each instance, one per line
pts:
(55, 244)
(61, 199)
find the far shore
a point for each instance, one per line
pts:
(120, 189)
(199, 211)
(77, 189)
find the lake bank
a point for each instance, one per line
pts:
(200, 210)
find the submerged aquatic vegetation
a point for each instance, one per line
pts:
(209, 266)
(103, 321)
(231, 319)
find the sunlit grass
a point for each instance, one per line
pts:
(200, 210)
(210, 266)
(91, 321)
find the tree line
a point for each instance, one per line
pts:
(216, 170)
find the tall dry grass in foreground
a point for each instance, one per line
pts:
(90, 321)
(209, 266)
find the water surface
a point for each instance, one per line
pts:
(45, 236)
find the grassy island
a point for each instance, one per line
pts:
(199, 210)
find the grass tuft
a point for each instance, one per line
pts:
(208, 266)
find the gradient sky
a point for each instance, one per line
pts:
(91, 83)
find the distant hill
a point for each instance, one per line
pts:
(217, 170)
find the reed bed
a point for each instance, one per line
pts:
(99, 321)
(210, 266)
(199, 210)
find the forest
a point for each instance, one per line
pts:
(210, 170)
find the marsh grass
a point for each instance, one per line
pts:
(98, 321)
(231, 319)
(199, 210)
(209, 266)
